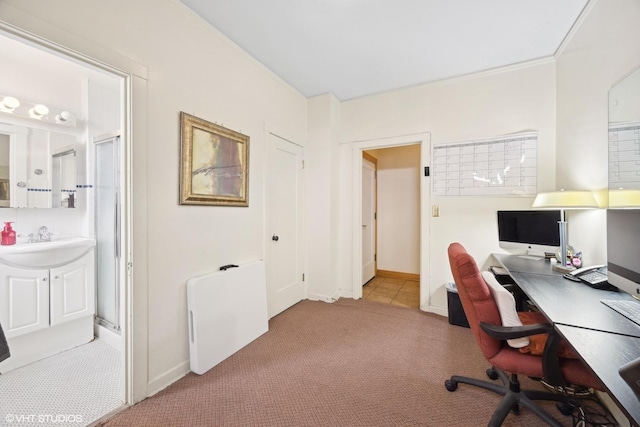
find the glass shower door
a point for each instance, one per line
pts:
(107, 233)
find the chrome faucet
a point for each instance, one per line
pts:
(44, 235)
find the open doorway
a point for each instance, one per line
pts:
(396, 238)
(66, 353)
(353, 165)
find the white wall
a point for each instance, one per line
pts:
(194, 69)
(191, 68)
(398, 225)
(480, 106)
(321, 174)
(624, 100)
(604, 49)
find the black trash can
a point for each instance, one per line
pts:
(456, 312)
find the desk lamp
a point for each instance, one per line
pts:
(564, 200)
(624, 198)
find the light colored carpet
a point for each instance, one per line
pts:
(350, 363)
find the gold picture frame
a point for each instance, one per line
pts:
(214, 168)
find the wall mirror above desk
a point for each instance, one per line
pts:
(37, 168)
(624, 142)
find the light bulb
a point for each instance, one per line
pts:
(10, 103)
(64, 116)
(38, 111)
(41, 110)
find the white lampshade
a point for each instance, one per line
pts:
(624, 198)
(565, 200)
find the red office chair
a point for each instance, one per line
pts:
(484, 319)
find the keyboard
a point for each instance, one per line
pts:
(629, 309)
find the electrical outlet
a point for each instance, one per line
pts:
(435, 211)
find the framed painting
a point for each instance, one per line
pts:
(214, 166)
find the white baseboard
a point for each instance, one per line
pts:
(323, 298)
(343, 293)
(167, 378)
(108, 336)
(434, 309)
(37, 345)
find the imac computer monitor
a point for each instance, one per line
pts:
(529, 232)
(623, 250)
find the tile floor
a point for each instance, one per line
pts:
(394, 291)
(70, 389)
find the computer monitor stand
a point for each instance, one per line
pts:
(535, 254)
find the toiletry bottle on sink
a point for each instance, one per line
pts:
(8, 235)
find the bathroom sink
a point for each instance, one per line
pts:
(46, 254)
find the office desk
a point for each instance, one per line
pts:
(522, 264)
(604, 339)
(564, 301)
(589, 345)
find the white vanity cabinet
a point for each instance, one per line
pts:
(24, 300)
(33, 299)
(47, 298)
(72, 290)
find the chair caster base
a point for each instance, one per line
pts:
(451, 385)
(492, 374)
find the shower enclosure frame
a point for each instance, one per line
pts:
(104, 225)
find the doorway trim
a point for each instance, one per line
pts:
(134, 385)
(366, 157)
(357, 148)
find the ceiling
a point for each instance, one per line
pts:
(354, 48)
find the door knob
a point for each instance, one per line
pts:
(275, 238)
(364, 225)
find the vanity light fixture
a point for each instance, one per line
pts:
(38, 111)
(9, 103)
(24, 109)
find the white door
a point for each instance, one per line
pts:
(368, 220)
(284, 198)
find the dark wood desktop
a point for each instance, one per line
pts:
(604, 339)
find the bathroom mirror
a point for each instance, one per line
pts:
(624, 142)
(63, 179)
(5, 144)
(37, 168)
